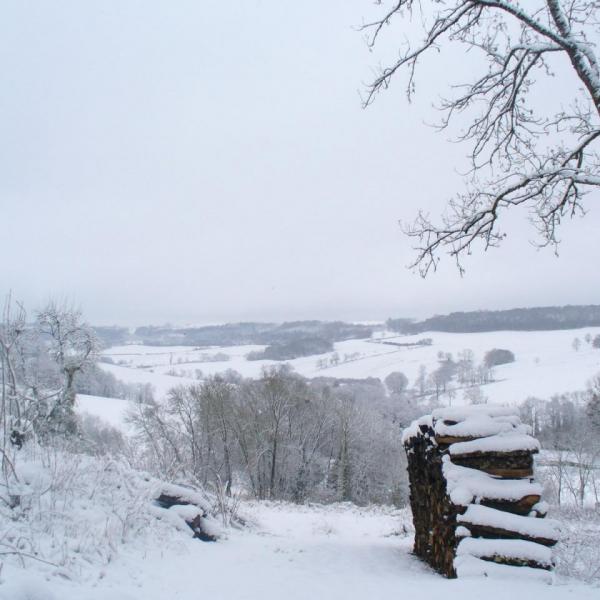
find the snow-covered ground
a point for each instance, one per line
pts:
(546, 362)
(111, 410)
(97, 539)
(297, 552)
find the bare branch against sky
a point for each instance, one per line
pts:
(211, 161)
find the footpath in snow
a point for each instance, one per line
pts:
(337, 552)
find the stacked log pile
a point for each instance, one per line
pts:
(476, 507)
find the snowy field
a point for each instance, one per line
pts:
(338, 552)
(546, 363)
(111, 410)
(94, 539)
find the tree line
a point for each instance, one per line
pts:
(280, 436)
(568, 427)
(539, 318)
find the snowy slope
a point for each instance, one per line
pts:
(161, 382)
(546, 362)
(110, 410)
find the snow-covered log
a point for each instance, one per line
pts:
(183, 505)
(472, 491)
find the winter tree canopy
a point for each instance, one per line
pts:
(525, 149)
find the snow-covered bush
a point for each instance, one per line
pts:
(578, 552)
(71, 513)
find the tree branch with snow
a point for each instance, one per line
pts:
(520, 153)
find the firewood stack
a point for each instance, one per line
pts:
(476, 508)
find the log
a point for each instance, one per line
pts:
(512, 463)
(517, 507)
(516, 562)
(446, 440)
(489, 532)
(196, 524)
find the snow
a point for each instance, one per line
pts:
(479, 426)
(414, 429)
(541, 508)
(466, 485)
(517, 549)
(508, 442)
(546, 363)
(173, 518)
(470, 566)
(462, 531)
(186, 511)
(500, 426)
(529, 526)
(96, 534)
(472, 413)
(307, 552)
(110, 410)
(160, 382)
(30, 588)
(182, 493)
(338, 552)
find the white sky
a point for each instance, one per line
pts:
(204, 161)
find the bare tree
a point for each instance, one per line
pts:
(12, 330)
(73, 346)
(521, 154)
(218, 397)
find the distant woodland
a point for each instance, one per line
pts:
(515, 319)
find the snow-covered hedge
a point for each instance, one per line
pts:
(69, 514)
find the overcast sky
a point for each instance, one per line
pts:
(205, 161)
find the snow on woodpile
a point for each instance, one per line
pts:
(476, 508)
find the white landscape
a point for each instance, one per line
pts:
(546, 363)
(300, 300)
(88, 525)
(339, 550)
(300, 552)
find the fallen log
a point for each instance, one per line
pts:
(189, 506)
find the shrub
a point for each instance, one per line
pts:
(292, 349)
(498, 356)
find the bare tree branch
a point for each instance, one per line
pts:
(519, 154)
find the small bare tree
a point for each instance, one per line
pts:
(521, 154)
(72, 344)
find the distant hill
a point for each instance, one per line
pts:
(111, 335)
(543, 318)
(284, 340)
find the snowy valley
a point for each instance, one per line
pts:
(299, 300)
